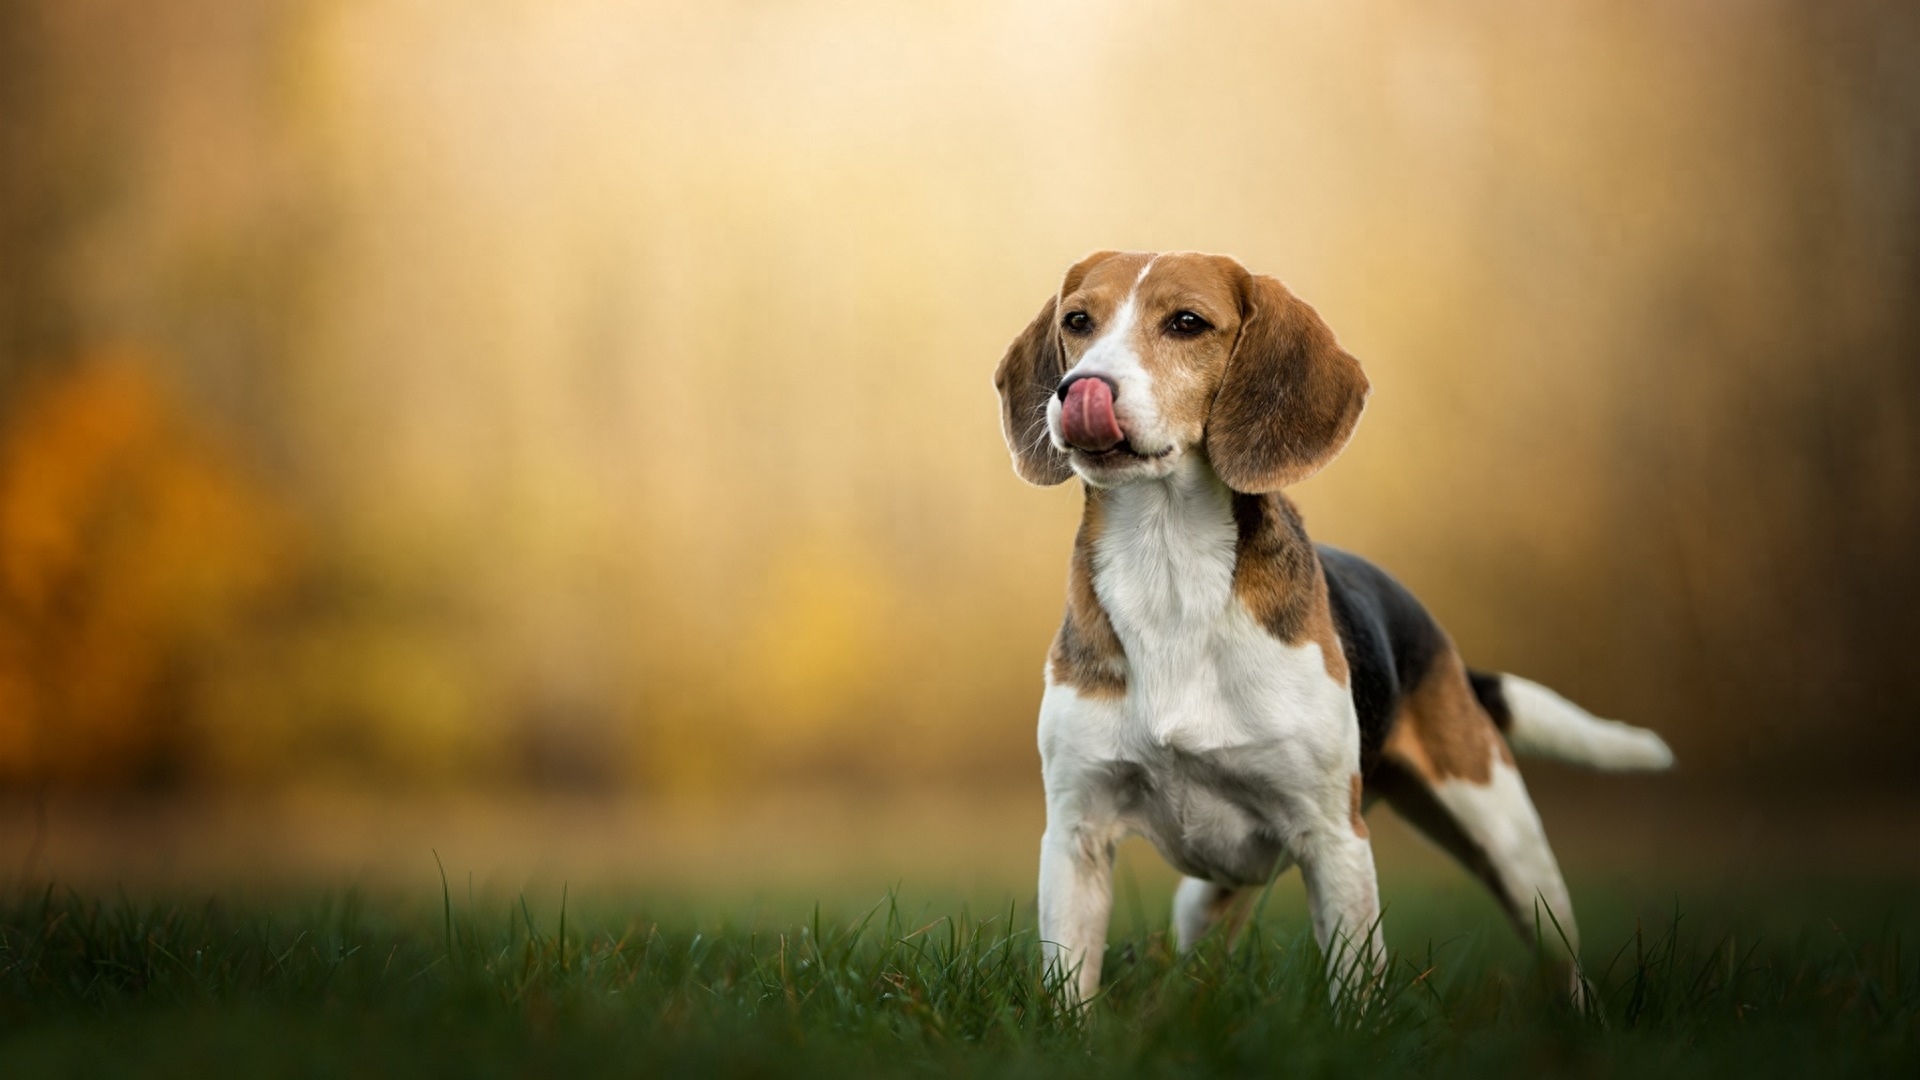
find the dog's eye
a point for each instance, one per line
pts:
(1187, 324)
(1077, 322)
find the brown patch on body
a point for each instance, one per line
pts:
(1276, 574)
(1440, 732)
(1086, 653)
(1321, 631)
(1359, 821)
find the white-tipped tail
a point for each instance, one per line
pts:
(1549, 726)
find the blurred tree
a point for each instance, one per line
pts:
(127, 543)
(41, 184)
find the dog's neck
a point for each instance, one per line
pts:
(1174, 580)
(1158, 564)
(1164, 556)
(1169, 555)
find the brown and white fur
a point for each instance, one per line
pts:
(1220, 684)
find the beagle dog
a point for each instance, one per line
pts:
(1222, 685)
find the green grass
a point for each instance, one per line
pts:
(340, 985)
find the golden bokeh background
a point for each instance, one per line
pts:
(586, 396)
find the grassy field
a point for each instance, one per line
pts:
(1814, 981)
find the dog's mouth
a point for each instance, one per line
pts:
(1120, 452)
(1091, 427)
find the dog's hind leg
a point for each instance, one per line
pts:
(1492, 828)
(1199, 906)
(1494, 831)
(1447, 771)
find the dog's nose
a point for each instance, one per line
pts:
(1066, 384)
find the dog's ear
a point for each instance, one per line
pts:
(1027, 377)
(1290, 397)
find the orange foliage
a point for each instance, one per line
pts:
(126, 541)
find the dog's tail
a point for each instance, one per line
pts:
(1540, 723)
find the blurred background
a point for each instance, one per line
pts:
(586, 405)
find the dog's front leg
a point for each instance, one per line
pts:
(1076, 900)
(1343, 896)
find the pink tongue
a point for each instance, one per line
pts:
(1087, 416)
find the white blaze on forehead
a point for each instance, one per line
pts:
(1122, 324)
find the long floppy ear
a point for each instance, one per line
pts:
(1027, 378)
(1290, 398)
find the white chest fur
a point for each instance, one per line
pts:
(1227, 738)
(1203, 674)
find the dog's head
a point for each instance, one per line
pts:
(1143, 359)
